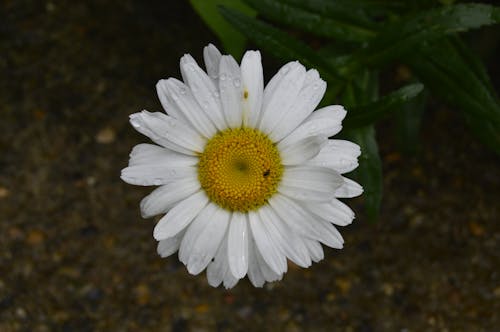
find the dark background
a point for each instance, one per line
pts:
(75, 254)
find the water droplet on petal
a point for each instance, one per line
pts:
(182, 91)
(157, 182)
(222, 77)
(237, 82)
(173, 172)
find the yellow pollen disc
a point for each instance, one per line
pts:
(240, 169)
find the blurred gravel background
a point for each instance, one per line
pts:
(75, 254)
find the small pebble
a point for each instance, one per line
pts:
(4, 192)
(105, 136)
(201, 308)
(35, 237)
(142, 294)
(388, 289)
(476, 229)
(343, 284)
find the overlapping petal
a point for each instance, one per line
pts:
(231, 93)
(310, 183)
(280, 95)
(169, 132)
(204, 89)
(305, 102)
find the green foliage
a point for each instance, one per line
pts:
(233, 41)
(369, 113)
(369, 171)
(359, 39)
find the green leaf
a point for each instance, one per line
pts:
(473, 62)
(369, 113)
(410, 33)
(343, 25)
(279, 43)
(355, 10)
(369, 171)
(409, 121)
(448, 74)
(233, 41)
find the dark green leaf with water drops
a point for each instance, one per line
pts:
(448, 73)
(409, 120)
(369, 113)
(279, 43)
(369, 171)
(233, 41)
(408, 34)
(343, 26)
(359, 11)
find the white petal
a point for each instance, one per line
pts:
(349, 189)
(254, 274)
(266, 247)
(230, 90)
(204, 90)
(329, 235)
(267, 272)
(252, 80)
(335, 212)
(278, 101)
(340, 155)
(238, 245)
(168, 132)
(193, 231)
(208, 242)
(211, 56)
(276, 79)
(218, 267)
(166, 100)
(169, 246)
(305, 223)
(229, 280)
(291, 244)
(179, 96)
(296, 217)
(218, 271)
(150, 154)
(310, 183)
(326, 121)
(180, 216)
(165, 197)
(302, 151)
(305, 102)
(156, 175)
(315, 250)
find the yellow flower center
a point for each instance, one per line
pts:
(240, 169)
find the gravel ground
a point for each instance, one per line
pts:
(76, 256)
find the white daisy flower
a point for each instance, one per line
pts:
(247, 175)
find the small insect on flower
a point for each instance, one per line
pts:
(247, 175)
